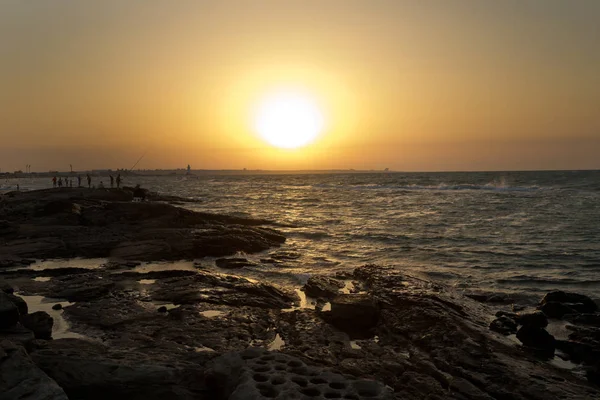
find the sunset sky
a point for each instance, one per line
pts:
(409, 85)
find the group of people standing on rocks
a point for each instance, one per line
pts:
(67, 182)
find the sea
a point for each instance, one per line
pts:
(516, 233)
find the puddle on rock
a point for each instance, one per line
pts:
(202, 349)
(277, 343)
(305, 302)
(42, 278)
(60, 327)
(146, 281)
(212, 313)
(166, 266)
(88, 263)
(348, 287)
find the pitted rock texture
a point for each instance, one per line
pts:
(258, 374)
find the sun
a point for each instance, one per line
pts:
(288, 119)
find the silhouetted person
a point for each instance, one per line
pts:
(101, 185)
(118, 181)
(89, 180)
(54, 182)
(78, 181)
(112, 181)
(59, 182)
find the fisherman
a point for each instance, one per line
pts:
(118, 181)
(112, 181)
(78, 181)
(54, 182)
(89, 180)
(59, 182)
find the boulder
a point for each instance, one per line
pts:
(537, 319)
(22, 379)
(40, 322)
(537, 338)
(9, 313)
(555, 309)
(579, 302)
(6, 287)
(504, 325)
(584, 319)
(322, 286)
(579, 352)
(255, 373)
(20, 303)
(355, 314)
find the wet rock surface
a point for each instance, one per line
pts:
(22, 379)
(74, 222)
(395, 336)
(322, 286)
(256, 374)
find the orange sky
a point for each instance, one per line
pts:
(428, 85)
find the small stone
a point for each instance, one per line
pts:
(579, 302)
(162, 309)
(57, 306)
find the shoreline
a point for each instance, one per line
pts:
(374, 332)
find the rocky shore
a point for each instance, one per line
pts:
(119, 331)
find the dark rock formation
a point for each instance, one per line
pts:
(9, 313)
(88, 370)
(322, 286)
(233, 263)
(57, 223)
(537, 338)
(40, 323)
(22, 379)
(536, 319)
(256, 374)
(558, 304)
(504, 325)
(355, 314)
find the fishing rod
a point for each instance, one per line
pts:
(140, 159)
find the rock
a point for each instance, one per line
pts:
(20, 303)
(233, 263)
(22, 379)
(257, 374)
(9, 313)
(40, 322)
(6, 287)
(579, 352)
(162, 309)
(353, 313)
(322, 286)
(579, 302)
(17, 334)
(537, 338)
(57, 306)
(537, 319)
(504, 325)
(584, 319)
(89, 370)
(555, 309)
